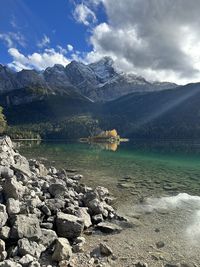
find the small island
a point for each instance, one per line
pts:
(108, 136)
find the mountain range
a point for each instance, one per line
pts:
(79, 100)
(99, 81)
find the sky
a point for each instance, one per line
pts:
(157, 39)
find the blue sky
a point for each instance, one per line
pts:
(36, 20)
(158, 40)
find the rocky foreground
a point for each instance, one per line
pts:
(44, 212)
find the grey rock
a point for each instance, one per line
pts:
(6, 172)
(97, 218)
(55, 204)
(57, 189)
(26, 246)
(4, 232)
(69, 226)
(106, 227)
(46, 225)
(82, 212)
(48, 237)
(13, 189)
(95, 207)
(77, 177)
(3, 215)
(25, 226)
(46, 210)
(9, 263)
(21, 165)
(62, 250)
(105, 249)
(26, 260)
(160, 244)
(13, 206)
(102, 192)
(34, 264)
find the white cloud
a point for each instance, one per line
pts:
(36, 60)
(12, 38)
(70, 47)
(157, 39)
(44, 42)
(84, 15)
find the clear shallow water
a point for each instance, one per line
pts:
(153, 168)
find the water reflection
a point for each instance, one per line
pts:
(105, 146)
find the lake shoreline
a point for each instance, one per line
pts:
(132, 187)
(46, 212)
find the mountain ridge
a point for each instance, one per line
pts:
(98, 81)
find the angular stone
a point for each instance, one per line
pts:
(9, 263)
(26, 259)
(62, 250)
(57, 190)
(26, 246)
(4, 232)
(105, 249)
(13, 189)
(25, 226)
(108, 227)
(3, 215)
(6, 172)
(102, 192)
(55, 204)
(48, 237)
(97, 218)
(13, 206)
(69, 226)
(82, 212)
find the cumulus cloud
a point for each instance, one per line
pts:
(38, 61)
(44, 42)
(12, 38)
(158, 39)
(70, 47)
(83, 14)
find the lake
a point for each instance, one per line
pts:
(133, 170)
(156, 185)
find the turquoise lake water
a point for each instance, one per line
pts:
(135, 170)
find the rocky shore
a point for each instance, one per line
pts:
(44, 213)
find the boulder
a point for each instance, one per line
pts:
(21, 165)
(102, 192)
(26, 246)
(106, 227)
(26, 260)
(3, 215)
(6, 172)
(69, 226)
(57, 189)
(48, 237)
(25, 226)
(13, 189)
(3, 253)
(97, 218)
(13, 206)
(82, 212)
(55, 204)
(95, 207)
(4, 232)
(62, 250)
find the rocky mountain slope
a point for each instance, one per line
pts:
(99, 81)
(170, 113)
